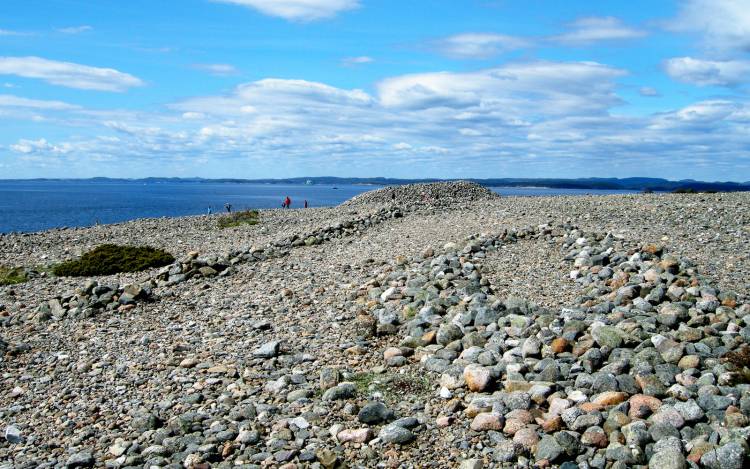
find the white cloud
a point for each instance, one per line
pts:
(7, 100)
(541, 118)
(708, 72)
(217, 69)
(8, 32)
(479, 45)
(40, 146)
(723, 24)
(298, 10)
(361, 60)
(553, 87)
(75, 29)
(288, 93)
(590, 30)
(68, 74)
(648, 92)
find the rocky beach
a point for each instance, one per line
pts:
(433, 325)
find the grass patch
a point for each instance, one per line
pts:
(245, 217)
(363, 381)
(12, 275)
(110, 259)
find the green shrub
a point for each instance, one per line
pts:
(12, 276)
(245, 217)
(110, 259)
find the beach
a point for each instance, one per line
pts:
(424, 326)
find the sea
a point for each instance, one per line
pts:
(36, 205)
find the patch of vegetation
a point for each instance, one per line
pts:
(245, 217)
(110, 259)
(12, 275)
(363, 381)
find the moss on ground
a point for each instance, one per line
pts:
(245, 217)
(110, 259)
(12, 275)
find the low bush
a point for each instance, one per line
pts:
(110, 259)
(12, 275)
(245, 217)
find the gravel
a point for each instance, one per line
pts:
(242, 368)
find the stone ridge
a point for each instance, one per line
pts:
(645, 369)
(437, 194)
(92, 297)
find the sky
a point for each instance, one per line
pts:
(442, 88)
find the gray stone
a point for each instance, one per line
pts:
(668, 458)
(395, 434)
(13, 434)
(448, 333)
(80, 459)
(608, 336)
(548, 448)
(471, 464)
(339, 392)
(729, 456)
(374, 413)
(267, 350)
(329, 377)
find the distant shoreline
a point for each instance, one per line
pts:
(622, 184)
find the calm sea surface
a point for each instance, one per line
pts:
(39, 205)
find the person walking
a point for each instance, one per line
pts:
(288, 202)
(228, 206)
(305, 203)
(209, 210)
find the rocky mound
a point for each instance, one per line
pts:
(437, 194)
(649, 367)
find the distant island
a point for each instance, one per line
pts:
(627, 184)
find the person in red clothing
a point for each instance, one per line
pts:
(288, 202)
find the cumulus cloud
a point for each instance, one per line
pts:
(479, 45)
(554, 87)
(68, 74)
(723, 24)
(298, 10)
(590, 30)
(40, 146)
(75, 29)
(546, 118)
(217, 69)
(708, 72)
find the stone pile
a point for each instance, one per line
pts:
(438, 194)
(194, 266)
(649, 367)
(93, 298)
(89, 300)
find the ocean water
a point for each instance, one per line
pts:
(27, 206)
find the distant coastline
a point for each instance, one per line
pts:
(628, 184)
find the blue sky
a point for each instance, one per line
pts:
(282, 88)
